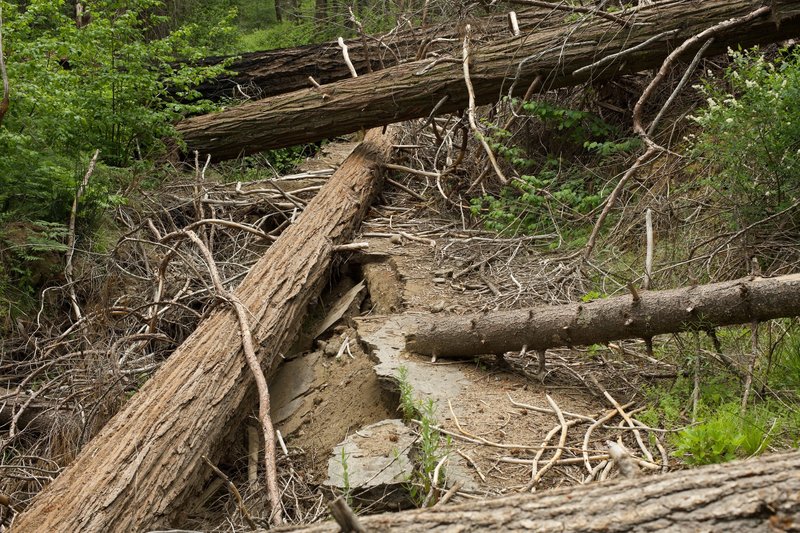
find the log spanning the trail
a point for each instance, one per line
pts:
(416, 89)
(641, 315)
(272, 72)
(139, 471)
(760, 494)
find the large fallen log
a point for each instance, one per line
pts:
(268, 73)
(413, 90)
(643, 315)
(754, 495)
(139, 471)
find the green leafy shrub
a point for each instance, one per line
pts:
(108, 85)
(112, 85)
(751, 127)
(529, 204)
(550, 189)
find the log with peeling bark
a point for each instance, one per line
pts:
(643, 314)
(415, 89)
(760, 494)
(142, 468)
(272, 72)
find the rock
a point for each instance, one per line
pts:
(374, 465)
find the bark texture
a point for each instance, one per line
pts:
(273, 72)
(146, 462)
(654, 313)
(413, 90)
(755, 495)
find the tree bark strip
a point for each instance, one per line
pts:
(147, 461)
(272, 72)
(760, 494)
(413, 90)
(623, 317)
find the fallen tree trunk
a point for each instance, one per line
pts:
(413, 90)
(272, 72)
(30, 414)
(700, 307)
(754, 495)
(143, 466)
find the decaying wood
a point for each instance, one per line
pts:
(146, 463)
(412, 90)
(622, 317)
(755, 495)
(272, 72)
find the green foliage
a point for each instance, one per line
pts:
(107, 86)
(408, 405)
(721, 432)
(303, 25)
(529, 204)
(575, 125)
(279, 35)
(348, 496)
(723, 435)
(28, 258)
(787, 363)
(267, 164)
(751, 127)
(591, 296)
(550, 190)
(111, 85)
(430, 449)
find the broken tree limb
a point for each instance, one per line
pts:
(760, 494)
(140, 471)
(623, 317)
(413, 90)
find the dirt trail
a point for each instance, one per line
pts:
(337, 400)
(347, 380)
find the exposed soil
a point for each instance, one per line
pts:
(414, 266)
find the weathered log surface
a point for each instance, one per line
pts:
(755, 495)
(413, 90)
(272, 72)
(147, 461)
(655, 313)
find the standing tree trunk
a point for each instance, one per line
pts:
(141, 469)
(278, 10)
(320, 13)
(414, 90)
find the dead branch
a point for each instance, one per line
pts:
(73, 297)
